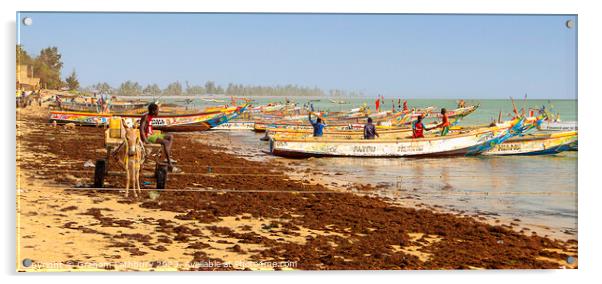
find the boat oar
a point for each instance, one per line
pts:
(514, 107)
(524, 104)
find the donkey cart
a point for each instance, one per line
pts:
(152, 154)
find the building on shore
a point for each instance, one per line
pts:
(25, 79)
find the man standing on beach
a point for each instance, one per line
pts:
(370, 130)
(418, 128)
(148, 136)
(317, 125)
(445, 124)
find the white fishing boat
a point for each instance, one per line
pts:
(460, 143)
(536, 144)
(236, 125)
(559, 125)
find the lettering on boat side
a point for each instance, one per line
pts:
(156, 122)
(508, 147)
(326, 148)
(411, 148)
(364, 149)
(485, 137)
(241, 125)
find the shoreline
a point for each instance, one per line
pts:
(326, 97)
(337, 181)
(327, 230)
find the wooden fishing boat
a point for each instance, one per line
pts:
(536, 144)
(169, 123)
(358, 132)
(272, 107)
(348, 123)
(386, 118)
(236, 125)
(113, 107)
(260, 126)
(461, 143)
(559, 126)
(186, 123)
(340, 102)
(213, 100)
(337, 134)
(463, 111)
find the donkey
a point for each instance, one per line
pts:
(132, 156)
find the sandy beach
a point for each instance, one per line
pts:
(228, 212)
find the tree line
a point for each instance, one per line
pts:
(132, 88)
(47, 66)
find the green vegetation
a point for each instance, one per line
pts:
(152, 90)
(194, 89)
(130, 88)
(102, 88)
(173, 89)
(47, 66)
(72, 81)
(287, 90)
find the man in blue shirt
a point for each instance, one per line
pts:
(318, 126)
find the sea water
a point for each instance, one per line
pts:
(540, 191)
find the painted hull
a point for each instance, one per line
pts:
(168, 123)
(559, 126)
(263, 127)
(536, 144)
(115, 107)
(384, 132)
(236, 125)
(464, 111)
(353, 123)
(459, 144)
(574, 146)
(381, 119)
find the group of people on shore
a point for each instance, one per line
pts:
(28, 98)
(370, 132)
(380, 102)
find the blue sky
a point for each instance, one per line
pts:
(410, 56)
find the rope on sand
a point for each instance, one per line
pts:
(301, 173)
(187, 189)
(174, 174)
(376, 193)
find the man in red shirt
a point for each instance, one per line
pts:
(418, 128)
(377, 104)
(445, 124)
(148, 136)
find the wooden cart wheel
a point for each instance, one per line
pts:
(100, 171)
(161, 176)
